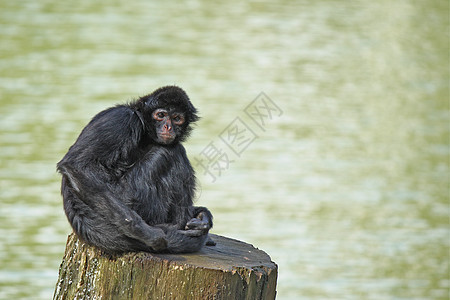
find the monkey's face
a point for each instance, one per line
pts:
(168, 115)
(168, 125)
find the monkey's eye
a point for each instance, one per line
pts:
(159, 115)
(178, 120)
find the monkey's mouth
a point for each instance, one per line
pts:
(166, 137)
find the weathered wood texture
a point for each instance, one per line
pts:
(229, 270)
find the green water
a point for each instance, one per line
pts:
(346, 186)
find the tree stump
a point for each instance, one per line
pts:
(230, 270)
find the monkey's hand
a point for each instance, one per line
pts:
(199, 225)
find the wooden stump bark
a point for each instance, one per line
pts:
(230, 270)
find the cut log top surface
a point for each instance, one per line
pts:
(227, 254)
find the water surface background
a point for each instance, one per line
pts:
(347, 190)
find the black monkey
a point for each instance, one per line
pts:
(127, 183)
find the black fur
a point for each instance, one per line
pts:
(124, 191)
